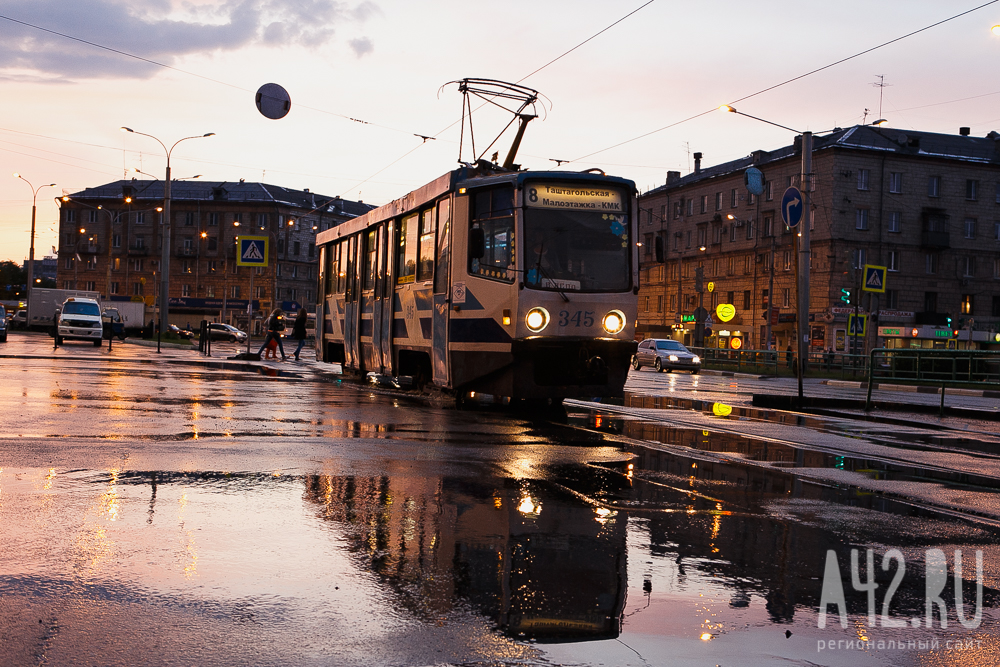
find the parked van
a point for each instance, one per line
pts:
(80, 319)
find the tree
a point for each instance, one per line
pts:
(13, 278)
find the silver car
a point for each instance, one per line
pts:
(219, 331)
(664, 354)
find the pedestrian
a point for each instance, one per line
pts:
(55, 328)
(788, 355)
(829, 358)
(299, 330)
(275, 325)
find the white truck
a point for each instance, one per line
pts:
(133, 315)
(43, 303)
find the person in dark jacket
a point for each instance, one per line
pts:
(275, 325)
(299, 330)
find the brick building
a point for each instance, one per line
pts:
(109, 242)
(924, 205)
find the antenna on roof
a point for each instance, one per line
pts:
(881, 86)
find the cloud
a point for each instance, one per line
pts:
(362, 46)
(159, 30)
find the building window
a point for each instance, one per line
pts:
(892, 298)
(718, 199)
(262, 220)
(688, 245)
(678, 208)
(281, 246)
(996, 306)
(277, 270)
(116, 240)
(140, 218)
(895, 221)
(189, 219)
(746, 299)
(967, 308)
(213, 219)
(258, 270)
(971, 189)
(786, 297)
(673, 303)
(186, 266)
(210, 291)
(996, 231)
(863, 179)
(137, 265)
(768, 196)
(930, 265)
(934, 186)
(930, 302)
(787, 260)
(690, 206)
(893, 260)
(213, 244)
(768, 223)
(295, 270)
(970, 228)
(704, 203)
(210, 266)
(234, 292)
(659, 303)
(732, 231)
(91, 263)
(312, 251)
(996, 268)
(91, 286)
(91, 216)
(71, 215)
(114, 288)
(118, 264)
(137, 289)
(747, 261)
(297, 248)
(751, 199)
(750, 228)
(968, 266)
(895, 182)
(702, 236)
(860, 257)
(734, 198)
(260, 292)
(185, 290)
(861, 218)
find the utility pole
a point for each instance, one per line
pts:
(804, 256)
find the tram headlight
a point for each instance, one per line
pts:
(536, 319)
(614, 321)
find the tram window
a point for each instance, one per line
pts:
(493, 212)
(406, 250)
(443, 249)
(425, 268)
(339, 267)
(370, 254)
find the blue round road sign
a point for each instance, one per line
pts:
(791, 207)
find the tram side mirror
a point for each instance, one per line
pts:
(658, 249)
(477, 243)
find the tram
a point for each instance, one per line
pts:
(516, 284)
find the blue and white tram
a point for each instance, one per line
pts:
(515, 284)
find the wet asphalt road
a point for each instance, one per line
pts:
(155, 511)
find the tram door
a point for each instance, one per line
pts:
(381, 312)
(352, 307)
(442, 292)
(386, 293)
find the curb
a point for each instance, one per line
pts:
(915, 389)
(732, 374)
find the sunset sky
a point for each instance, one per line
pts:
(366, 78)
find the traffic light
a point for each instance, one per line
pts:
(699, 279)
(845, 295)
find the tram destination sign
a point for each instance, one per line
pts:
(573, 197)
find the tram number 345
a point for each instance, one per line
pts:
(584, 318)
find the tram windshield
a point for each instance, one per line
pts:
(573, 245)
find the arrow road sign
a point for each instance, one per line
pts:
(253, 251)
(791, 207)
(874, 278)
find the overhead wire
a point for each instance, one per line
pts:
(793, 79)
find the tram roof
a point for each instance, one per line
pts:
(452, 181)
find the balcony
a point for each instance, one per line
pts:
(935, 239)
(89, 249)
(138, 250)
(186, 252)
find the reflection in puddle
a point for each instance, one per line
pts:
(542, 566)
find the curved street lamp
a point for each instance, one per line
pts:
(31, 251)
(165, 243)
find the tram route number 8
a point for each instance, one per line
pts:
(532, 195)
(579, 318)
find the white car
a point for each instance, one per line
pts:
(80, 319)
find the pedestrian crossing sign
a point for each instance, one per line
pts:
(856, 324)
(253, 250)
(874, 279)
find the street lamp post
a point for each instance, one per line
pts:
(165, 235)
(804, 252)
(31, 250)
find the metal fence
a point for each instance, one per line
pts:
(782, 362)
(929, 367)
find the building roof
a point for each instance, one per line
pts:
(182, 191)
(981, 150)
